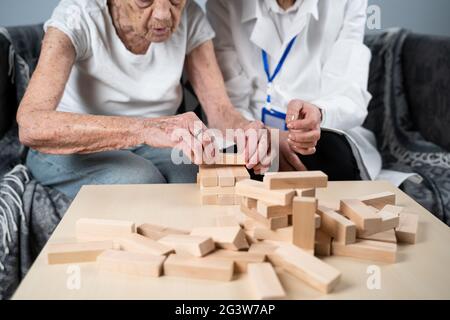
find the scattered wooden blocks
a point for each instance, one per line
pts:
(311, 192)
(379, 200)
(63, 253)
(199, 268)
(265, 281)
(322, 246)
(241, 259)
(139, 244)
(131, 263)
(406, 232)
(195, 245)
(240, 173)
(227, 221)
(385, 236)
(304, 212)
(306, 267)
(337, 226)
(156, 232)
(366, 218)
(231, 238)
(296, 180)
(257, 190)
(367, 250)
(101, 229)
(271, 223)
(390, 217)
(268, 210)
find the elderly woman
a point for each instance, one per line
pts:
(101, 106)
(301, 66)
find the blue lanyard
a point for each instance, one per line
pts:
(265, 58)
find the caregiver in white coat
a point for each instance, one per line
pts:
(303, 61)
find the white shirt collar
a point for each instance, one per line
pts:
(250, 11)
(275, 7)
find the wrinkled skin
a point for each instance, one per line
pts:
(138, 23)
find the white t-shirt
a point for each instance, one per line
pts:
(108, 79)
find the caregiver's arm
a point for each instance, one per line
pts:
(47, 130)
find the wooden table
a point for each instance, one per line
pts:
(422, 270)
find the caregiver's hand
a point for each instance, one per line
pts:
(185, 132)
(289, 160)
(303, 120)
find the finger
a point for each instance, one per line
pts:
(305, 145)
(293, 111)
(261, 149)
(295, 162)
(304, 137)
(305, 152)
(307, 123)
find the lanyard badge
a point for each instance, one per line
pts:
(272, 117)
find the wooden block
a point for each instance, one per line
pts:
(139, 244)
(240, 173)
(366, 218)
(208, 176)
(390, 217)
(406, 232)
(296, 180)
(198, 246)
(337, 226)
(307, 268)
(217, 190)
(131, 263)
(226, 177)
(237, 200)
(385, 236)
(318, 221)
(304, 212)
(227, 221)
(268, 210)
(198, 268)
(156, 232)
(225, 199)
(231, 238)
(241, 259)
(379, 200)
(257, 190)
(263, 247)
(282, 234)
(367, 250)
(265, 282)
(209, 199)
(311, 192)
(62, 253)
(230, 159)
(102, 229)
(249, 202)
(322, 246)
(271, 223)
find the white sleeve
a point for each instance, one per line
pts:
(238, 85)
(70, 18)
(344, 96)
(199, 29)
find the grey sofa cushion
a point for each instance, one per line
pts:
(426, 66)
(7, 98)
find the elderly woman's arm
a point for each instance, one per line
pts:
(47, 130)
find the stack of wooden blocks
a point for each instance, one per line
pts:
(279, 226)
(217, 182)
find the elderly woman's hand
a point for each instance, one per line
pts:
(185, 132)
(303, 120)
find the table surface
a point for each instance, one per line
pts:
(420, 273)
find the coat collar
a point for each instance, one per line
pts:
(264, 33)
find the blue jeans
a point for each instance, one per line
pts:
(140, 165)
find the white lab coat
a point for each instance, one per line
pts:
(328, 65)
